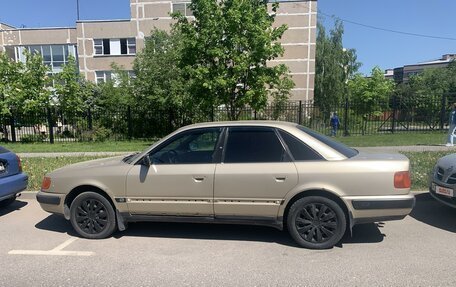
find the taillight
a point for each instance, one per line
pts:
(402, 179)
(19, 163)
(46, 184)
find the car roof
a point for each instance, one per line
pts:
(241, 123)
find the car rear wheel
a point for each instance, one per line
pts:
(316, 222)
(7, 202)
(92, 216)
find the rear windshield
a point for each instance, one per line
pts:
(3, 150)
(339, 147)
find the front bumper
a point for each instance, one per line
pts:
(366, 209)
(12, 185)
(51, 202)
(450, 201)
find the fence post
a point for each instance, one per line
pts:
(393, 119)
(346, 133)
(129, 123)
(89, 119)
(300, 113)
(13, 127)
(51, 125)
(442, 112)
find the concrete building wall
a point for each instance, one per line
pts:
(299, 41)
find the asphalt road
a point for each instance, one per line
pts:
(417, 251)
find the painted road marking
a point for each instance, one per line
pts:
(54, 252)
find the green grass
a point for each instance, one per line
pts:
(421, 166)
(397, 139)
(108, 146)
(37, 167)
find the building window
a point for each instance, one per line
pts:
(106, 76)
(54, 56)
(102, 76)
(183, 8)
(124, 46)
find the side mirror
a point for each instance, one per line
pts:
(146, 161)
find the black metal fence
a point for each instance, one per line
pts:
(413, 114)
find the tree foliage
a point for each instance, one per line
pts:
(370, 95)
(334, 66)
(225, 50)
(159, 81)
(24, 87)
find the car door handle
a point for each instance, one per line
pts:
(198, 178)
(280, 178)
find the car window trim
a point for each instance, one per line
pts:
(284, 160)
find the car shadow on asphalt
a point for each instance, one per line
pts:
(365, 233)
(56, 223)
(429, 211)
(16, 205)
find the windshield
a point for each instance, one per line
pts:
(339, 147)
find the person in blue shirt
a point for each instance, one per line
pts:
(452, 128)
(334, 124)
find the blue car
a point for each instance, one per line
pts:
(12, 179)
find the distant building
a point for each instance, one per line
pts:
(389, 74)
(403, 74)
(96, 44)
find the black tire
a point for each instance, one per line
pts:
(92, 216)
(7, 202)
(316, 222)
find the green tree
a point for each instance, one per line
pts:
(334, 66)
(115, 94)
(370, 95)
(225, 50)
(24, 87)
(159, 81)
(69, 90)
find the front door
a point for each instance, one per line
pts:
(180, 180)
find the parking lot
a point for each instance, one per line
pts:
(40, 249)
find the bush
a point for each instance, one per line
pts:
(97, 134)
(33, 138)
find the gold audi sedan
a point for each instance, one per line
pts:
(251, 172)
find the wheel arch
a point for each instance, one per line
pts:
(81, 189)
(318, 192)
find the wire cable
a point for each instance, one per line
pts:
(385, 29)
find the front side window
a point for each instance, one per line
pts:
(253, 144)
(191, 147)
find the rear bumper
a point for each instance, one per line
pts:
(366, 209)
(11, 185)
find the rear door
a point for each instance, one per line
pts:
(255, 174)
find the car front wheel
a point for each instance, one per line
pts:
(316, 222)
(92, 216)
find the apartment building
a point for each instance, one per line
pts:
(403, 74)
(96, 44)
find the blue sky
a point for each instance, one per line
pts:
(387, 50)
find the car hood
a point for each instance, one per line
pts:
(447, 161)
(92, 164)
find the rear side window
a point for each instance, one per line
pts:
(253, 144)
(299, 150)
(339, 147)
